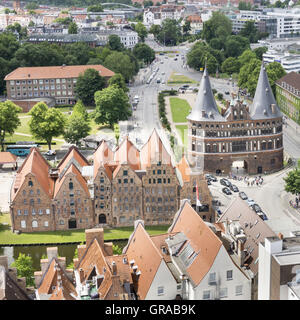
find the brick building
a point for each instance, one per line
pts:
(124, 185)
(55, 83)
(252, 134)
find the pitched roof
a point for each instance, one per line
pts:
(194, 18)
(185, 170)
(154, 151)
(71, 169)
(39, 167)
(263, 99)
(72, 156)
(60, 289)
(205, 108)
(7, 157)
(102, 156)
(252, 224)
(202, 239)
(127, 153)
(147, 257)
(49, 72)
(292, 78)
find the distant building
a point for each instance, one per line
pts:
(288, 95)
(196, 23)
(289, 62)
(54, 82)
(279, 268)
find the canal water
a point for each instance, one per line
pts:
(36, 252)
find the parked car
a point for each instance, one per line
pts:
(226, 191)
(250, 202)
(208, 182)
(243, 195)
(50, 153)
(234, 188)
(219, 212)
(225, 182)
(227, 92)
(175, 59)
(263, 216)
(256, 208)
(210, 177)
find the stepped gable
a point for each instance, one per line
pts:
(154, 151)
(36, 165)
(205, 108)
(264, 105)
(102, 157)
(72, 156)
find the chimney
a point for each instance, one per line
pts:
(4, 262)
(108, 247)
(97, 233)
(81, 250)
(81, 275)
(38, 277)
(280, 235)
(114, 268)
(52, 252)
(241, 253)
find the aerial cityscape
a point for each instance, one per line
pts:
(150, 150)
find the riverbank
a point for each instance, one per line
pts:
(68, 236)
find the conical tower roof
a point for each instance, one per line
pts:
(264, 105)
(205, 108)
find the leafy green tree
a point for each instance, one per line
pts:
(292, 181)
(112, 105)
(218, 20)
(246, 56)
(233, 48)
(118, 79)
(143, 52)
(148, 3)
(230, 65)
(116, 249)
(80, 108)
(186, 28)
(170, 32)
(114, 43)
(117, 132)
(260, 51)
(9, 120)
(24, 266)
(248, 75)
(64, 21)
(155, 30)
(120, 63)
(80, 50)
(31, 24)
(32, 6)
(95, 8)
(73, 29)
(250, 31)
(244, 5)
(141, 30)
(216, 43)
(77, 127)
(275, 71)
(46, 123)
(87, 84)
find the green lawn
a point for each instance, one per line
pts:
(7, 237)
(182, 129)
(177, 78)
(180, 109)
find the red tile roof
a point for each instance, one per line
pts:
(71, 155)
(102, 156)
(53, 72)
(7, 157)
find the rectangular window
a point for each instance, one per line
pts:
(47, 211)
(223, 293)
(160, 291)
(229, 274)
(23, 224)
(239, 290)
(206, 295)
(212, 278)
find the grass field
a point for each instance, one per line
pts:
(177, 78)
(7, 237)
(182, 130)
(180, 109)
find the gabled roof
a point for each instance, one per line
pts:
(154, 151)
(60, 289)
(102, 156)
(36, 165)
(73, 155)
(263, 99)
(127, 153)
(292, 79)
(202, 239)
(205, 108)
(252, 224)
(147, 257)
(185, 170)
(71, 169)
(7, 157)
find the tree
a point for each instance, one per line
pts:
(32, 6)
(141, 30)
(95, 8)
(114, 43)
(246, 56)
(24, 265)
(80, 108)
(73, 29)
(118, 79)
(155, 30)
(170, 32)
(250, 31)
(216, 43)
(275, 71)
(116, 249)
(248, 75)
(186, 27)
(148, 3)
(244, 5)
(120, 63)
(112, 105)
(218, 20)
(292, 181)
(9, 120)
(143, 52)
(260, 51)
(87, 84)
(77, 127)
(46, 123)
(233, 48)
(230, 65)
(31, 24)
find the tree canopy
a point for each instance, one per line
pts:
(292, 181)
(143, 52)
(217, 25)
(141, 30)
(118, 79)
(73, 29)
(24, 266)
(114, 43)
(170, 32)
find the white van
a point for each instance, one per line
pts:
(136, 98)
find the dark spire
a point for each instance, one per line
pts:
(205, 108)
(264, 104)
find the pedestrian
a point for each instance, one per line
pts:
(297, 201)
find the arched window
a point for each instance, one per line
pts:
(71, 186)
(34, 224)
